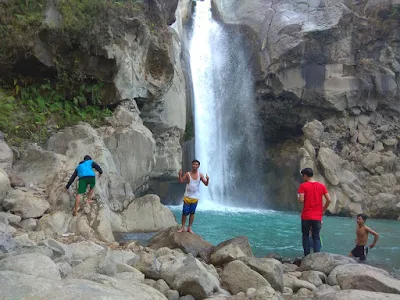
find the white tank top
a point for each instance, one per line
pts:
(192, 188)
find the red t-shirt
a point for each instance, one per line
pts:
(313, 192)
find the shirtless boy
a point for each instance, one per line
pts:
(362, 232)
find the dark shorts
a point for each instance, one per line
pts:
(84, 182)
(360, 251)
(189, 208)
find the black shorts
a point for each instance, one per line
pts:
(361, 252)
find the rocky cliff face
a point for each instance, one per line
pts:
(138, 58)
(336, 62)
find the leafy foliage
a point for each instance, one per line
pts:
(34, 112)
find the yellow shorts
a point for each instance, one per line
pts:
(189, 200)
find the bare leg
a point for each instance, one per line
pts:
(183, 224)
(90, 195)
(77, 200)
(191, 219)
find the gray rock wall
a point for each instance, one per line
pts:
(336, 62)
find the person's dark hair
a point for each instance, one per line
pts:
(87, 157)
(196, 161)
(307, 171)
(363, 216)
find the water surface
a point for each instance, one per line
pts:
(279, 232)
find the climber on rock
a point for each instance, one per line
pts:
(87, 177)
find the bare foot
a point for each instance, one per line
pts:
(74, 213)
(190, 230)
(90, 201)
(182, 229)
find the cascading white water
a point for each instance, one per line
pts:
(228, 140)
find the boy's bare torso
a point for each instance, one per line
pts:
(362, 235)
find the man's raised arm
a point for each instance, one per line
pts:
(205, 180)
(184, 178)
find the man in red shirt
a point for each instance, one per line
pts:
(310, 193)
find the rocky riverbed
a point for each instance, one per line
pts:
(175, 266)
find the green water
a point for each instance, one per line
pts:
(279, 232)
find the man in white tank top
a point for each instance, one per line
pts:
(192, 193)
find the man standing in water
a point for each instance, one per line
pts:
(192, 193)
(310, 193)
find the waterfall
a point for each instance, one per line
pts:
(228, 139)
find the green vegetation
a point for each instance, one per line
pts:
(32, 107)
(20, 21)
(34, 112)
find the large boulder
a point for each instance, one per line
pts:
(313, 131)
(269, 268)
(144, 214)
(363, 277)
(60, 252)
(31, 264)
(313, 277)
(26, 203)
(76, 142)
(6, 155)
(15, 285)
(38, 166)
(84, 250)
(193, 278)
(357, 295)
(107, 262)
(11, 218)
(133, 151)
(237, 277)
(7, 242)
(149, 265)
(187, 242)
(55, 223)
(332, 165)
(230, 250)
(324, 262)
(4, 184)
